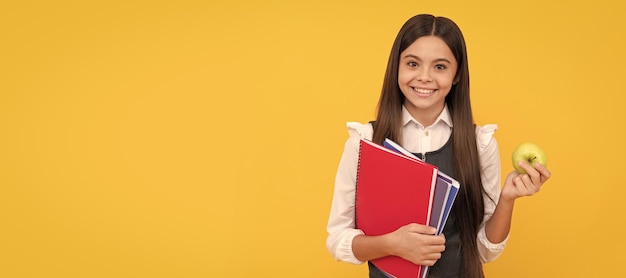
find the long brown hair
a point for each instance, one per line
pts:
(469, 204)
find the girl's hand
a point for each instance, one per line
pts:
(418, 244)
(518, 185)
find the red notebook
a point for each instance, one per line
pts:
(392, 190)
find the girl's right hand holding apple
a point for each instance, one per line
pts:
(518, 185)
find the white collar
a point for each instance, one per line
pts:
(444, 116)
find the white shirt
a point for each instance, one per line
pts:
(417, 139)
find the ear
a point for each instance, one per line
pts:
(456, 79)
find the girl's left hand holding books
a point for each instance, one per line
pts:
(518, 185)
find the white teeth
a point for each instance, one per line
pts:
(424, 91)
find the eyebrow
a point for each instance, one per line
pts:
(418, 58)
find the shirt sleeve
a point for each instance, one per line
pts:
(341, 222)
(490, 176)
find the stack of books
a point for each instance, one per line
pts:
(395, 188)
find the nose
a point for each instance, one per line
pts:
(423, 75)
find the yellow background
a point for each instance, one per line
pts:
(199, 139)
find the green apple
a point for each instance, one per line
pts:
(529, 153)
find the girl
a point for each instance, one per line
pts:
(425, 106)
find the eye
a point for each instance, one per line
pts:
(440, 67)
(412, 64)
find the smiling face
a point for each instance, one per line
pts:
(426, 74)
